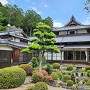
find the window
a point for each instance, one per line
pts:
(89, 54)
(5, 55)
(80, 55)
(72, 32)
(83, 55)
(68, 55)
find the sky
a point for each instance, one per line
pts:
(59, 10)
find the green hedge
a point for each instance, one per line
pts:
(56, 66)
(11, 77)
(27, 67)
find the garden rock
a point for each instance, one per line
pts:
(52, 83)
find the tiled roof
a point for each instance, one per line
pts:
(73, 38)
(75, 47)
(72, 28)
(13, 44)
(13, 33)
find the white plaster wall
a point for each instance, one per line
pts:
(63, 33)
(82, 31)
(6, 47)
(17, 40)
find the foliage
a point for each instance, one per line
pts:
(43, 33)
(69, 83)
(87, 68)
(11, 77)
(34, 62)
(45, 73)
(74, 70)
(2, 18)
(88, 73)
(47, 78)
(37, 77)
(44, 60)
(69, 67)
(59, 74)
(48, 21)
(27, 67)
(54, 76)
(56, 66)
(66, 77)
(87, 83)
(30, 20)
(31, 88)
(39, 86)
(49, 68)
(14, 15)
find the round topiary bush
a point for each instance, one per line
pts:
(56, 66)
(66, 77)
(87, 83)
(87, 68)
(69, 83)
(11, 77)
(69, 67)
(39, 86)
(37, 77)
(88, 73)
(27, 67)
(47, 78)
(45, 73)
(59, 74)
(54, 76)
(49, 68)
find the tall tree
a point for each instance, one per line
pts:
(44, 42)
(2, 19)
(13, 14)
(87, 5)
(48, 21)
(30, 20)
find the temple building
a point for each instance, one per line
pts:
(11, 43)
(73, 40)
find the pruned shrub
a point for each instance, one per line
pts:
(31, 88)
(87, 68)
(39, 86)
(69, 83)
(35, 62)
(27, 67)
(56, 66)
(88, 73)
(45, 73)
(59, 74)
(87, 83)
(37, 77)
(49, 68)
(66, 77)
(11, 77)
(54, 76)
(47, 78)
(69, 67)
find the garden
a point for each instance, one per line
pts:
(68, 77)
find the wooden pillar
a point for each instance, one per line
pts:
(87, 56)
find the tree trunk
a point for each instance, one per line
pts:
(40, 64)
(41, 55)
